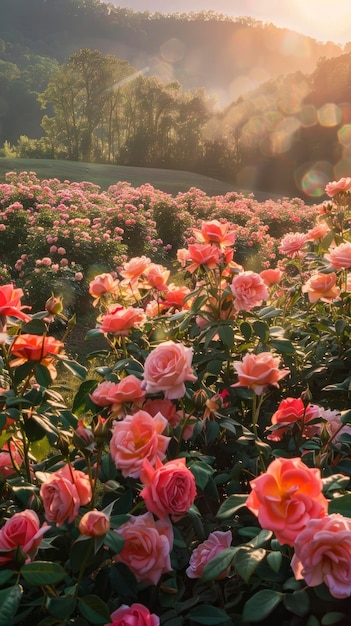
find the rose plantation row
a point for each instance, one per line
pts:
(200, 474)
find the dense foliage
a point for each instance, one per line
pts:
(200, 474)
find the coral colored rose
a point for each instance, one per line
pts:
(129, 389)
(318, 232)
(138, 437)
(167, 368)
(134, 615)
(249, 290)
(102, 284)
(286, 497)
(323, 554)
(6, 465)
(101, 395)
(119, 320)
(339, 186)
(10, 302)
(175, 297)
(183, 256)
(164, 406)
(147, 547)
(215, 544)
(23, 531)
(63, 492)
(134, 268)
(339, 257)
(322, 287)
(169, 489)
(207, 255)
(215, 232)
(157, 276)
(257, 371)
(94, 524)
(291, 412)
(271, 276)
(292, 244)
(34, 348)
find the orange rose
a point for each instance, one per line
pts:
(318, 232)
(147, 547)
(215, 232)
(249, 290)
(10, 302)
(35, 348)
(94, 524)
(119, 320)
(340, 257)
(138, 437)
(322, 287)
(207, 255)
(286, 497)
(133, 269)
(323, 554)
(257, 371)
(271, 276)
(175, 297)
(169, 489)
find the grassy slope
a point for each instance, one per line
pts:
(170, 181)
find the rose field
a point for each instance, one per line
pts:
(175, 413)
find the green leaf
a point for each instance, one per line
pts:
(226, 334)
(210, 615)
(61, 607)
(246, 330)
(274, 560)
(231, 505)
(114, 541)
(297, 602)
(75, 368)
(341, 505)
(43, 573)
(332, 618)
(6, 575)
(246, 561)
(284, 346)
(260, 605)
(35, 327)
(263, 537)
(262, 330)
(94, 609)
(42, 375)
(79, 400)
(10, 599)
(219, 564)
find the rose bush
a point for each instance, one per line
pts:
(196, 468)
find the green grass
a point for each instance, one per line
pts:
(170, 181)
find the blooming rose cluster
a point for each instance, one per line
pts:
(63, 493)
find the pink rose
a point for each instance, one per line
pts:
(6, 459)
(340, 257)
(318, 232)
(10, 302)
(215, 231)
(129, 389)
(147, 547)
(101, 395)
(63, 492)
(322, 287)
(323, 554)
(257, 371)
(164, 406)
(169, 489)
(94, 524)
(249, 290)
(166, 369)
(215, 544)
(102, 284)
(119, 320)
(340, 186)
(292, 244)
(175, 297)
(23, 531)
(292, 412)
(138, 437)
(271, 276)
(207, 254)
(134, 615)
(286, 497)
(157, 276)
(133, 269)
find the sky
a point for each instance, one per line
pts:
(324, 20)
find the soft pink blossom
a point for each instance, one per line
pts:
(249, 291)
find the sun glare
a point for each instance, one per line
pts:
(323, 16)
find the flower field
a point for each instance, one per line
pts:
(201, 472)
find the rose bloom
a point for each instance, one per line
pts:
(292, 244)
(206, 254)
(134, 615)
(101, 285)
(249, 290)
(286, 497)
(175, 297)
(215, 544)
(257, 371)
(183, 256)
(147, 547)
(23, 531)
(133, 269)
(339, 257)
(271, 276)
(129, 389)
(10, 302)
(215, 232)
(340, 186)
(164, 406)
(323, 554)
(318, 232)
(167, 368)
(138, 437)
(322, 287)
(292, 412)
(35, 348)
(333, 424)
(63, 492)
(157, 276)
(94, 524)
(101, 396)
(119, 320)
(169, 489)
(6, 466)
